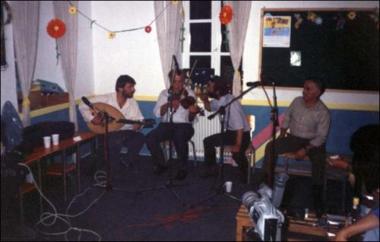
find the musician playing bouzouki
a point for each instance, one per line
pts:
(119, 105)
(182, 103)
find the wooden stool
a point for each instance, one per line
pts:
(242, 222)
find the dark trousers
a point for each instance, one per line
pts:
(131, 139)
(227, 138)
(292, 143)
(178, 133)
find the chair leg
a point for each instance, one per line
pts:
(251, 165)
(194, 152)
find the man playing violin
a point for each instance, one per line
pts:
(129, 135)
(176, 108)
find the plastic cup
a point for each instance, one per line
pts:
(55, 139)
(47, 142)
(228, 186)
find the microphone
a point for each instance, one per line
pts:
(87, 102)
(175, 63)
(254, 84)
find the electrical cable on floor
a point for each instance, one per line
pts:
(66, 217)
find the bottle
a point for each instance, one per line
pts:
(355, 209)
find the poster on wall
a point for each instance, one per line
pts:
(276, 31)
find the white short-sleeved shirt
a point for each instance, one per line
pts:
(234, 118)
(130, 110)
(181, 115)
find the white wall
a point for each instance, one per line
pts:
(47, 68)
(46, 65)
(134, 53)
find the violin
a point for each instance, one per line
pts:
(185, 100)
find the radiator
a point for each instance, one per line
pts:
(204, 127)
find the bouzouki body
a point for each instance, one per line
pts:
(116, 119)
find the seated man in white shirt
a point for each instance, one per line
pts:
(129, 134)
(237, 130)
(176, 108)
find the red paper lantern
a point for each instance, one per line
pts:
(148, 29)
(56, 28)
(225, 15)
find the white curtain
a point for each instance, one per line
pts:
(168, 24)
(68, 49)
(237, 30)
(25, 34)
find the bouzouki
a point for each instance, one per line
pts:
(116, 119)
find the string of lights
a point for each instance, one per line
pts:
(112, 33)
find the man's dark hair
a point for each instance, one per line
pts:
(122, 80)
(365, 161)
(178, 72)
(320, 84)
(222, 87)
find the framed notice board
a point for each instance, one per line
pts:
(341, 48)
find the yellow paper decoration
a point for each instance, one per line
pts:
(72, 10)
(111, 35)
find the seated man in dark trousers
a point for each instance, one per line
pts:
(176, 115)
(236, 125)
(308, 120)
(129, 134)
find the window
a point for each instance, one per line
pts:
(205, 41)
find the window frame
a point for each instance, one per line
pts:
(216, 37)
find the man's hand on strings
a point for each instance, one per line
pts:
(98, 119)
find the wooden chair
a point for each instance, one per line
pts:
(250, 153)
(166, 149)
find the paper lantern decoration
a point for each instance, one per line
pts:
(225, 15)
(148, 29)
(56, 28)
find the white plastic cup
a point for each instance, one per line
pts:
(55, 138)
(228, 186)
(47, 142)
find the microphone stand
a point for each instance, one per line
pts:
(274, 119)
(108, 185)
(106, 153)
(219, 182)
(169, 184)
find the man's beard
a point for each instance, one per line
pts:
(126, 95)
(211, 94)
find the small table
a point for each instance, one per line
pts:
(41, 152)
(297, 228)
